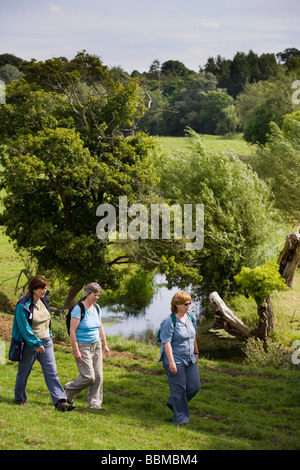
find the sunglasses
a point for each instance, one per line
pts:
(188, 303)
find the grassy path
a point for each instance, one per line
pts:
(237, 408)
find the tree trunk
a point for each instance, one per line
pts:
(266, 319)
(70, 300)
(289, 258)
(225, 319)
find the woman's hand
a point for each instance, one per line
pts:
(41, 349)
(106, 350)
(173, 368)
(169, 353)
(77, 356)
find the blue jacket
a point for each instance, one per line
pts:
(23, 320)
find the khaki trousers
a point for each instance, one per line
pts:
(91, 374)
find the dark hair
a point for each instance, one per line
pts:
(38, 282)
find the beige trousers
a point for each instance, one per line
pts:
(91, 374)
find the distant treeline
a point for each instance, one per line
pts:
(243, 94)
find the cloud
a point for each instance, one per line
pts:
(210, 24)
(56, 9)
(132, 34)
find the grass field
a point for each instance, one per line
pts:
(211, 142)
(237, 407)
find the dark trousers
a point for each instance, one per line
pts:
(47, 361)
(183, 387)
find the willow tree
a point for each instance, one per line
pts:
(237, 210)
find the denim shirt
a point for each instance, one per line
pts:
(181, 337)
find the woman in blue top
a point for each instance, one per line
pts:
(85, 337)
(179, 354)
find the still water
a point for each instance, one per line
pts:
(144, 325)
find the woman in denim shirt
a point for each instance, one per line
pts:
(179, 354)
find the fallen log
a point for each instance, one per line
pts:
(225, 319)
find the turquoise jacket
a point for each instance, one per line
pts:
(23, 319)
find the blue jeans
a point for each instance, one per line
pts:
(183, 387)
(47, 361)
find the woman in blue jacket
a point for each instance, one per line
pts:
(32, 322)
(179, 354)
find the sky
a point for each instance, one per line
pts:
(133, 33)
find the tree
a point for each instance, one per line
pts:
(9, 72)
(260, 282)
(246, 101)
(271, 107)
(285, 56)
(64, 155)
(154, 70)
(237, 210)
(278, 163)
(233, 75)
(174, 68)
(213, 113)
(10, 59)
(102, 108)
(189, 101)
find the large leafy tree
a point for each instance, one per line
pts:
(65, 152)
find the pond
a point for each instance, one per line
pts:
(144, 325)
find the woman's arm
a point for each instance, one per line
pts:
(103, 339)
(196, 351)
(73, 328)
(25, 329)
(169, 353)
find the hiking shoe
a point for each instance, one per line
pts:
(62, 405)
(21, 402)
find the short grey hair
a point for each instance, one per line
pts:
(91, 288)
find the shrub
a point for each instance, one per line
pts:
(266, 353)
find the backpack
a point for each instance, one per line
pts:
(174, 322)
(82, 310)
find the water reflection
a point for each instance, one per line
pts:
(143, 325)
